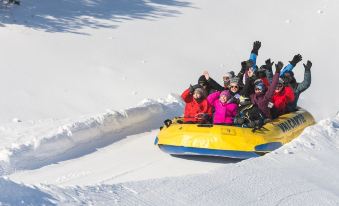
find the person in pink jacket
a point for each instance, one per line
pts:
(225, 110)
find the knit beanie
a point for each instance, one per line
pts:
(234, 80)
(230, 74)
(260, 86)
(226, 93)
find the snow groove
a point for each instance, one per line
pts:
(85, 136)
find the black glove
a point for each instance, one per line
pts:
(297, 58)
(191, 89)
(308, 65)
(269, 64)
(278, 67)
(256, 47)
(243, 67)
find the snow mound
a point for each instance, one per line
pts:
(83, 136)
(308, 169)
(24, 195)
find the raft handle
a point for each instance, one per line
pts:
(168, 122)
(205, 125)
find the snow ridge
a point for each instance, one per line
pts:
(86, 135)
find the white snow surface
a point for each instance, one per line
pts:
(84, 86)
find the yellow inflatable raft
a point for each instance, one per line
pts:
(179, 138)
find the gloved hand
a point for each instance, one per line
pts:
(191, 89)
(202, 116)
(269, 64)
(243, 67)
(297, 58)
(278, 67)
(308, 65)
(256, 47)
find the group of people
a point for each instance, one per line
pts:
(249, 99)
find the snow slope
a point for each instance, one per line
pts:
(296, 174)
(64, 63)
(61, 59)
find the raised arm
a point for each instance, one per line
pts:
(254, 53)
(306, 83)
(270, 92)
(249, 85)
(297, 58)
(213, 97)
(212, 83)
(269, 72)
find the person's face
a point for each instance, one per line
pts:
(279, 87)
(257, 90)
(288, 78)
(234, 87)
(226, 80)
(223, 98)
(196, 95)
(287, 75)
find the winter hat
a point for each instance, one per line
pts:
(202, 80)
(257, 81)
(260, 86)
(201, 91)
(226, 93)
(244, 100)
(262, 68)
(234, 80)
(230, 74)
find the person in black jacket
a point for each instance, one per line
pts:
(209, 84)
(300, 87)
(249, 115)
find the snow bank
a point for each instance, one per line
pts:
(303, 172)
(24, 195)
(84, 136)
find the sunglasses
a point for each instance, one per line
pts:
(234, 86)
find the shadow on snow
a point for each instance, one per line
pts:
(70, 15)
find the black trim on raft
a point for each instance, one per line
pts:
(181, 150)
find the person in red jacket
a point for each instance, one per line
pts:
(197, 108)
(283, 95)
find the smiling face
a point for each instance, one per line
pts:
(226, 80)
(223, 98)
(234, 87)
(279, 87)
(197, 95)
(257, 90)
